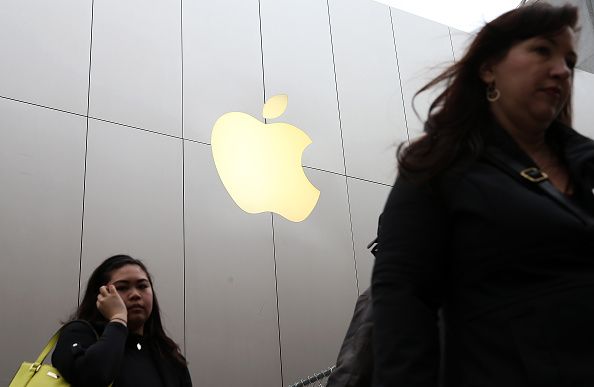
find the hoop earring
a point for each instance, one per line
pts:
(493, 93)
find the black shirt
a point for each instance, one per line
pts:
(139, 366)
(117, 356)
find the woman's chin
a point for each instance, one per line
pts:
(136, 321)
(546, 114)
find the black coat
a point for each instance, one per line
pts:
(354, 365)
(130, 359)
(511, 270)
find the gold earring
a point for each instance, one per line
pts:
(493, 93)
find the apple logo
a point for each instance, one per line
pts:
(260, 164)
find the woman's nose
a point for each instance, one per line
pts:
(561, 69)
(134, 294)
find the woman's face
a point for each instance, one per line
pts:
(534, 79)
(133, 286)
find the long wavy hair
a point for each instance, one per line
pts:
(456, 118)
(153, 327)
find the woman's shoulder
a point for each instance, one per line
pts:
(92, 329)
(75, 336)
(577, 147)
(439, 184)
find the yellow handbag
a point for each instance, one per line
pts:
(38, 374)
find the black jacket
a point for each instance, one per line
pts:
(118, 355)
(354, 365)
(511, 270)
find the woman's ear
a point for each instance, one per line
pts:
(486, 73)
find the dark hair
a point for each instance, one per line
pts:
(456, 118)
(153, 328)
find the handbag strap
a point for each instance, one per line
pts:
(48, 347)
(537, 177)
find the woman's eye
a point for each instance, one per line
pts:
(121, 288)
(570, 63)
(543, 50)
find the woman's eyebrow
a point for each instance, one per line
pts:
(126, 282)
(550, 40)
(556, 44)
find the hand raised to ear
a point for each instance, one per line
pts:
(110, 304)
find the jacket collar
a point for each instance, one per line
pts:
(576, 150)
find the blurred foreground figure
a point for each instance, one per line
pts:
(490, 224)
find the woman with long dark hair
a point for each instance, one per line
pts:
(116, 335)
(484, 271)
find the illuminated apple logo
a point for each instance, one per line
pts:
(260, 164)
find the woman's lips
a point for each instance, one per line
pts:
(553, 91)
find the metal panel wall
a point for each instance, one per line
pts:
(136, 64)
(297, 56)
(45, 56)
(41, 191)
(231, 307)
(371, 108)
(222, 63)
(583, 114)
(424, 49)
(460, 42)
(133, 205)
(316, 280)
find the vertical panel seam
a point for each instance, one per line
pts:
(82, 221)
(346, 180)
(183, 143)
(280, 345)
(452, 44)
(262, 53)
(399, 74)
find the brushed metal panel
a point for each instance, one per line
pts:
(133, 205)
(297, 55)
(222, 63)
(583, 114)
(316, 280)
(45, 52)
(231, 310)
(424, 50)
(136, 64)
(367, 203)
(460, 42)
(42, 155)
(371, 109)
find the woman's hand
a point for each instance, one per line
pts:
(111, 305)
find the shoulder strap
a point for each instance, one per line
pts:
(48, 347)
(537, 177)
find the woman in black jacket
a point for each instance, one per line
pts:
(116, 334)
(484, 271)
